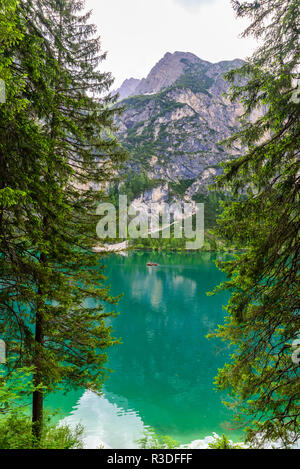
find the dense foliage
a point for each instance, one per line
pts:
(56, 148)
(224, 443)
(151, 440)
(264, 308)
(16, 433)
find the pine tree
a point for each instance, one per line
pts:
(263, 311)
(21, 167)
(53, 306)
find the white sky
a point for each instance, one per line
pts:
(137, 33)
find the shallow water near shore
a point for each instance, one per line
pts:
(163, 371)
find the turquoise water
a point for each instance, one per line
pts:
(165, 367)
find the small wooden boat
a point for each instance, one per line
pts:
(152, 264)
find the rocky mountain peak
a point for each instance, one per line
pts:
(173, 123)
(166, 72)
(127, 88)
(162, 75)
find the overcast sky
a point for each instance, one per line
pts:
(137, 33)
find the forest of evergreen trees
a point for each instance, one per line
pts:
(57, 145)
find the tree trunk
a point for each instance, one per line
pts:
(38, 396)
(37, 416)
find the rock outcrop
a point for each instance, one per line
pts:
(175, 119)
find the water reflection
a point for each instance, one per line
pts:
(165, 367)
(108, 421)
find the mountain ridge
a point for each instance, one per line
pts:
(172, 125)
(156, 80)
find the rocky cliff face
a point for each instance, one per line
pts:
(174, 121)
(165, 72)
(127, 88)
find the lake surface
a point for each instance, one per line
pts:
(165, 367)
